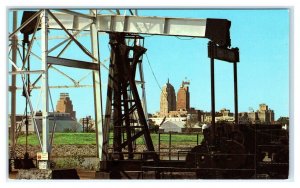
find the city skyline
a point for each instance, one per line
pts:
(263, 73)
(174, 95)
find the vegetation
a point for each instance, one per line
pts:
(183, 139)
(284, 121)
(62, 138)
(70, 162)
(90, 138)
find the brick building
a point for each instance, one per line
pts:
(262, 115)
(183, 97)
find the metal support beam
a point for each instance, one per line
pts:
(72, 63)
(217, 30)
(211, 47)
(31, 53)
(144, 100)
(137, 24)
(131, 12)
(236, 105)
(45, 109)
(84, 77)
(229, 55)
(27, 72)
(152, 25)
(75, 34)
(74, 13)
(108, 108)
(31, 43)
(31, 110)
(71, 36)
(59, 87)
(97, 88)
(142, 82)
(25, 23)
(65, 75)
(13, 87)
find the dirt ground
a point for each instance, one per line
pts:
(81, 157)
(83, 174)
(86, 174)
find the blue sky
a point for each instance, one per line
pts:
(263, 72)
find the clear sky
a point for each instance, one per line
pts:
(263, 72)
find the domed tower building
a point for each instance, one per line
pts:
(167, 99)
(183, 97)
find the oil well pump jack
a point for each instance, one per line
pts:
(226, 150)
(122, 90)
(121, 108)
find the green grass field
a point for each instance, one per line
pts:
(90, 138)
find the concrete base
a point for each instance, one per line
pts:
(102, 175)
(34, 174)
(47, 174)
(65, 174)
(125, 175)
(145, 175)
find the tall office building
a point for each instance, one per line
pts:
(64, 105)
(167, 99)
(183, 97)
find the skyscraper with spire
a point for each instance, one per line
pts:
(167, 99)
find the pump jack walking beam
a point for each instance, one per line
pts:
(216, 30)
